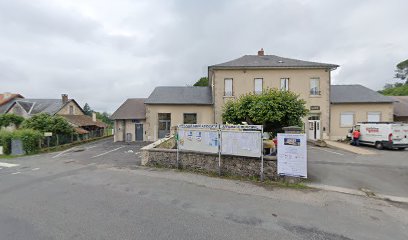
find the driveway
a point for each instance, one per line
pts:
(384, 173)
(105, 152)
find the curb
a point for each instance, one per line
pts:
(362, 192)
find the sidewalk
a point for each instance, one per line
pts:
(350, 148)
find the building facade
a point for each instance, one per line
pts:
(255, 73)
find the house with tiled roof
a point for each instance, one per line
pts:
(7, 99)
(65, 107)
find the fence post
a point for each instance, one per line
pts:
(219, 149)
(57, 143)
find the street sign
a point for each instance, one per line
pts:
(48, 134)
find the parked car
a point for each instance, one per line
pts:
(382, 134)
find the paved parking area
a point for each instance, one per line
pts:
(384, 173)
(104, 152)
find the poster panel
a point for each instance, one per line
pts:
(292, 155)
(241, 143)
(200, 140)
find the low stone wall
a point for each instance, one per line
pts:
(208, 163)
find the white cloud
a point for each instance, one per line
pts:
(102, 52)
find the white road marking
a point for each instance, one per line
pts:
(35, 169)
(91, 146)
(1, 168)
(59, 154)
(108, 152)
(14, 173)
(341, 154)
(3, 164)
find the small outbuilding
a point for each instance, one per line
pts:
(355, 103)
(130, 120)
(400, 108)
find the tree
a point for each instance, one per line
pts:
(402, 71)
(202, 82)
(10, 118)
(44, 122)
(274, 109)
(105, 118)
(399, 89)
(87, 109)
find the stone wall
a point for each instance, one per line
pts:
(208, 163)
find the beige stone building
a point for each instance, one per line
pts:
(351, 104)
(332, 109)
(400, 108)
(130, 121)
(254, 73)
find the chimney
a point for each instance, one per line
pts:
(93, 117)
(261, 52)
(64, 98)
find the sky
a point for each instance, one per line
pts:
(102, 52)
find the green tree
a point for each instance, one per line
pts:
(202, 82)
(87, 109)
(44, 122)
(274, 109)
(402, 71)
(10, 118)
(105, 118)
(399, 89)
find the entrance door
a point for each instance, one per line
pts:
(139, 131)
(314, 128)
(164, 124)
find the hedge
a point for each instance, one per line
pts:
(30, 139)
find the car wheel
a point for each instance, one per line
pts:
(401, 148)
(379, 146)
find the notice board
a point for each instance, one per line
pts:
(292, 155)
(241, 143)
(200, 140)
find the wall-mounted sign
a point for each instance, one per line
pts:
(314, 107)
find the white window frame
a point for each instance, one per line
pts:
(315, 86)
(258, 85)
(373, 114)
(284, 84)
(228, 92)
(342, 124)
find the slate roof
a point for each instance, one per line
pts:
(180, 95)
(83, 120)
(270, 61)
(132, 108)
(50, 106)
(356, 94)
(400, 106)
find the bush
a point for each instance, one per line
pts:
(29, 137)
(10, 118)
(46, 123)
(5, 141)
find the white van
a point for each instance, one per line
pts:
(383, 134)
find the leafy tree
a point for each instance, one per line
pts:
(398, 90)
(274, 109)
(10, 118)
(105, 118)
(402, 71)
(44, 122)
(202, 82)
(87, 109)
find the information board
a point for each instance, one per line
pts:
(292, 155)
(201, 140)
(241, 143)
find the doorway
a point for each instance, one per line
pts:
(139, 131)
(314, 127)
(164, 124)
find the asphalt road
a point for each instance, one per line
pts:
(384, 173)
(99, 192)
